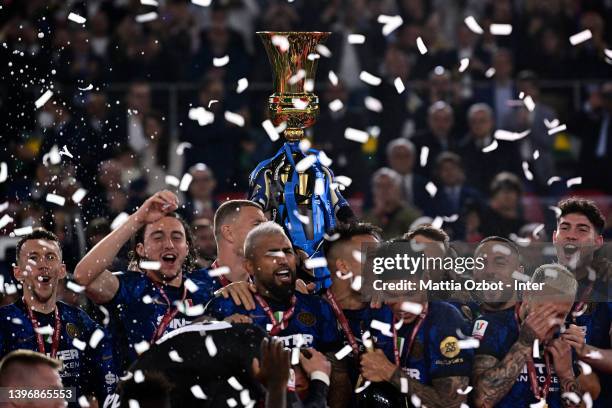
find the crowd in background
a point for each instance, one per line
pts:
(108, 128)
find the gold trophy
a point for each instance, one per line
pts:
(304, 202)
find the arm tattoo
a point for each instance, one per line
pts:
(570, 384)
(493, 378)
(443, 393)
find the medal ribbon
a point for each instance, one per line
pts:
(276, 325)
(346, 328)
(39, 338)
(415, 330)
(170, 313)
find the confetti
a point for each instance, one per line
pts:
(185, 182)
(356, 135)
(5, 220)
(431, 188)
(411, 307)
(466, 391)
(180, 149)
(494, 145)
(326, 161)
(233, 382)
(572, 396)
(3, 172)
(133, 404)
(391, 23)
(145, 18)
(313, 56)
(119, 220)
(87, 88)
(469, 343)
(500, 29)
(415, 400)
(76, 18)
(78, 195)
(104, 311)
(588, 400)
(210, 103)
(344, 276)
(490, 72)
(423, 156)
(437, 222)
(210, 346)
(363, 387)
(356, 284)
(309, 85)
(231, 402)
(473, 25)
(451, 218)
(333, 78)
(573, 182)
(344, 180)
(585, 368)
(516, 275)
(526, 171)
(83, 403)
(356, 38)
(220, 271)
(297, 77)
(55, 199)
(141, 347)
(313, 263)
(281, 42)
(403, 385)
(191, 286)
(551, 124)
(529, 103)
(270, 130)
(399, 85)
(536, 154)
(295, 356)
(43, 99)
(384, 328)
(76, 288)
(557, 129)
(305, 163)
(172, 180)
(502, 134)
(595, 355)
(234, 118)
(345, 351)
(221, 61)
(79, 344)
(22, 231)
(149, 3)
(304, 219)
(580, 37)
(553, 179)
(203, 116)
(608, 53)
(463, 64)
(174, 356)
(95, 338)
(203, 3)
(323, 50)
(243, 84)
(196, 390)
(369, 79)
(336, 105)
(536, 349)
(421, 46)
(373, 104)
(4, 206)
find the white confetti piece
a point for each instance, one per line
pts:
(536, 349)
(463, 64)
(55, 199)
(76, 288)
(500, 29)
(141, 347)
(78, 195)
(502, 134)
(384, 328)
(344, 351)
(572, 396)
(551, 124)
(468, 343)
(424, 156)
(106, 314)
(191, 286)
(210, 346)
(356, 135)
(536, 154)
(529, 103)
(415, 400)
(356, 39)
(421, 46)
(451, 218)
(323, 50)
(281, 42)
(203, 116)
(363, 387)
(437, 222)
(3, 172)
(243, 84)
(553, 179)
(301, 74)
(234, 118)
(526, 171)
(344, 276)
(295, 356)
(305, 163)
(343, 180)
(139, 376)
(585, 368)
(312, 263)
(326, 161)
(391, 23)
(220, 271)
(76, 18)
(373, 104)
(333, 78)
(4, 206)
(196, 390)
(87, 88)
(22, 231)
(43, 99)
(490, 72)
(235, 384)
(221, 61)
(356, 284)
(16, 320)
(83, 402)
(174, 356)
(270, 130)
(211, 102)
(153, 3)
(466, 391)
(172, 180)
(145, 18)
(494, 145)
(399, 85)
(574, 181)
(231, 402)
(594, 355)
(608, 53)
(369, 79)
(357, 255)
(336, 105)
(133, 404)
(309, 85)
(304, 219)
(588, 400)
(95, 338)
(516, 275)
(412, 307)
(580, 37)
(180, 149)
(331, 238)
(119, 220)
(473, 25)
(431, 189)
(185, 182)
(403, 385)
(557, 129)
(79, 344)
(150, 265)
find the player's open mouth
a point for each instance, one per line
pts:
(283, 275)
(169, 259)
(570, 249)
(44, 279)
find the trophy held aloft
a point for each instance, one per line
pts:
(306, 203)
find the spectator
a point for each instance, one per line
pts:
(504, 215)
(392, 214)
(200, 196)
(204, 240)
(155, 159)
(401, 156)
(502, 89)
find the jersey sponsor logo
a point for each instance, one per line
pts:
(67, 355)
(294, 340)
(307, 319)
(110, 378)
(480, 326)
(72, 330)
(449, 347)
(413, 373)
(175, 323)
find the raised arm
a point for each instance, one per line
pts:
(92, 271)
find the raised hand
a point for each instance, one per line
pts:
(156, 207)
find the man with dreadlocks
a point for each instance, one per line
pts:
(158, 292)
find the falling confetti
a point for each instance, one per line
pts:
(76, 288)
(180, 149)
(141, 347)
(369, 79)
(399, 85)
(356, 135)
(270, 130)
(203, 116)
(363, 387)
(490, 72)
(3, 172)
(87, 88)
(412, 307)
(145, 18)
(333, 78)
(403, 385)
(243, 84)
(323, 50)
(356, 39)
(529, 103)
(305, 163)
(153, 3)
(573, 182)
(22, 231)
(196, 390)
(463, 64)
(431, 188)
(172, 180)
(581, 37)
(55, 199)
(469, 343)
(488, 149)
(43, 99)
(345, 351)
(536, 349)
(174, 356)
(313, 263)
(220, 271)
(391, 23)
(234, 118)
(281, 42)
(421, 46)
(336, 105)
(536, 154)
(373, 104)
(79, 344)
(83, 403)
(344, 180)
(304, 219)
(76, 18)
(500, 29)
(95, 338)
(384, 328)
(356, 284)
(466, 391)
(557, 129)
(526, 171)
(210, 346)
(78, 195)
(119, 220)
(222, 61)
(473, 25)
(185, 182)
(423, 156)
(502, 134)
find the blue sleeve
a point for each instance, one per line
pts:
(221, 308)
(206, 285)
(446, 357)
(125, 292)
